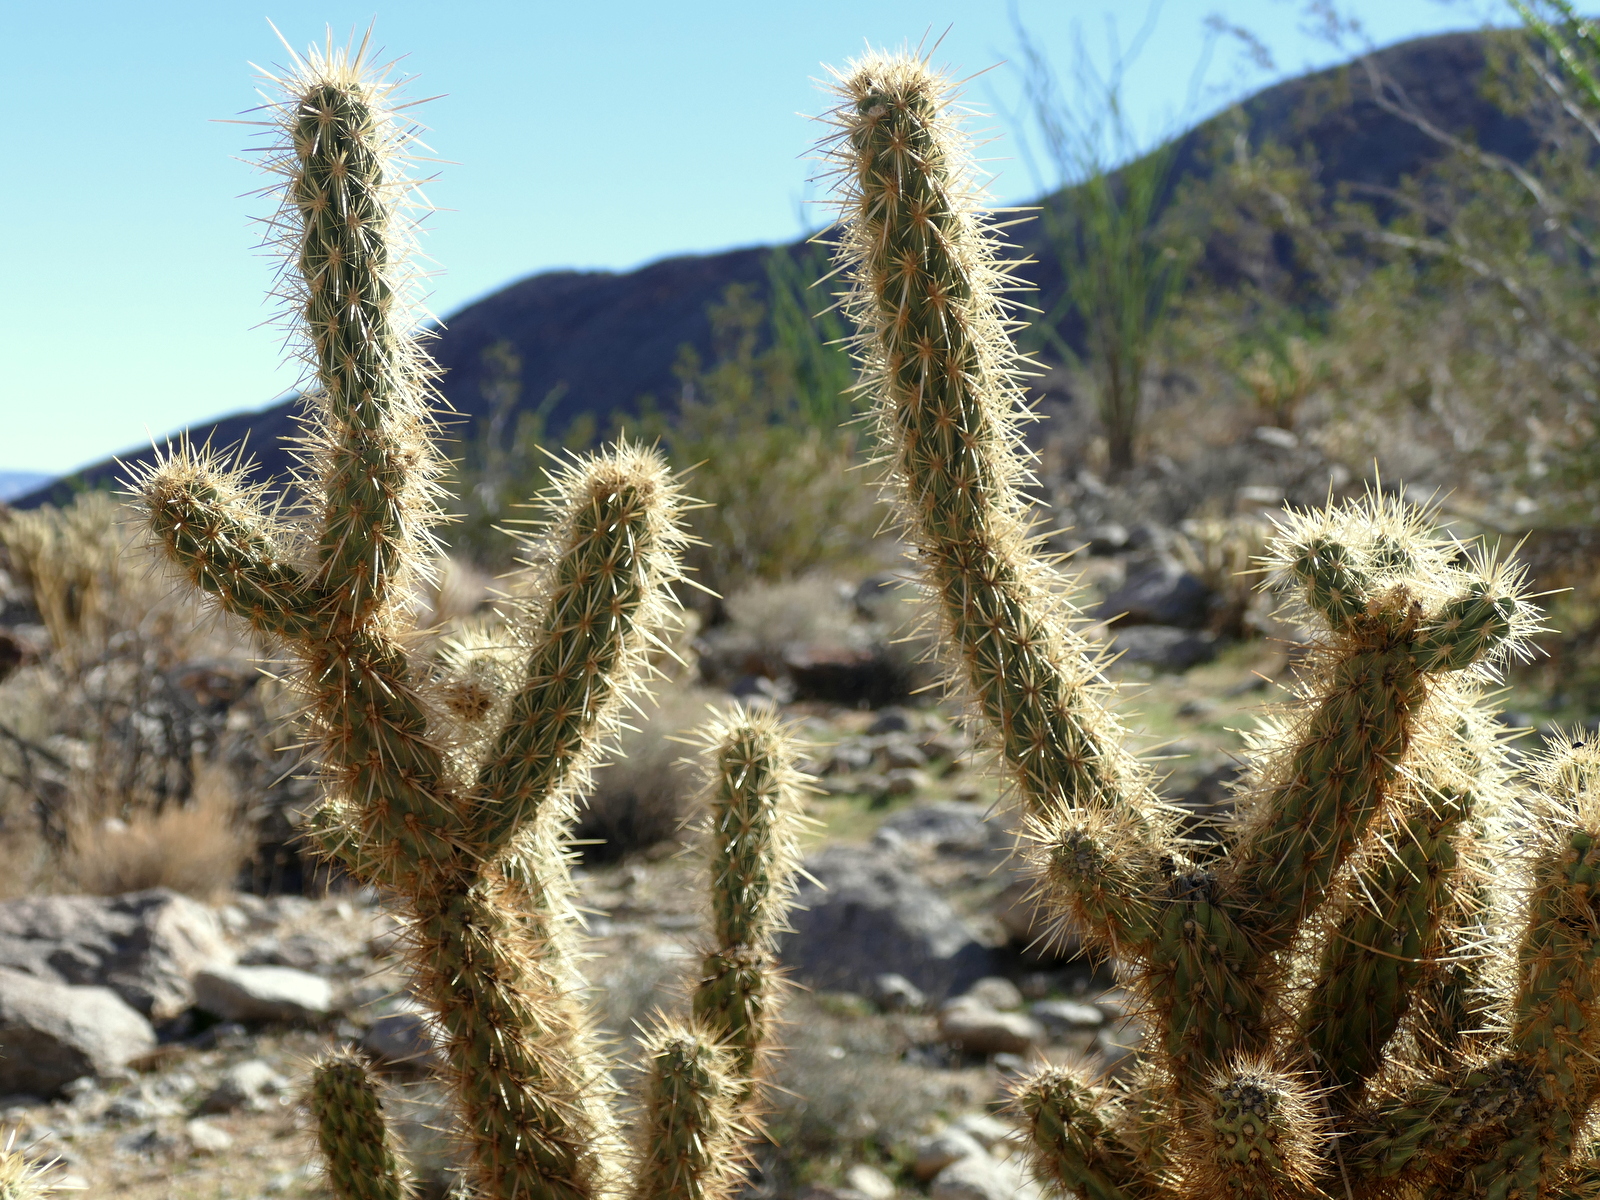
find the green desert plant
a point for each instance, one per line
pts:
(1384, 978)
(452, 780)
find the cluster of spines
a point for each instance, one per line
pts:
(1345, 908)
(452, 778)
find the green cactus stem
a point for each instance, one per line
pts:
(357, 1147)
(752, 829)
(689, 1132)
(1071, 1147)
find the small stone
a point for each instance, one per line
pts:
(263, 994)
(988, 1131)
(1066, 1016)
(870, 1182)
(905, 781)
(890, 720)
(982, 1178)
(980, 1030)
(997, 993)
(938, 1151)
(896, 993)
(244, 1085)
(404, 1038)
(206, 1138)
(898, 755)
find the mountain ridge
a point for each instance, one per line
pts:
(606, 338)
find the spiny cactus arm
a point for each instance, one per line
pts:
(1514, 1124)
(1338, 767)
(616, 538)
(357, 1147)
(532, 1090)
(935, 346)
(211, 528)
(1373, 961)
(343, 220)
(1069, 1142)
(752, 828)
(690, 1137)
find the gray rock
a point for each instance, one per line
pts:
(1163, 646)
(948, 826)
(978, 1029)
(988, 1131)
(890, 720)
(244, 1085)
(898, 755)
(937, 1151)
(404, 1038)
(52, 1034)
(1108, 537)
(206, 1138)
(994, 992)
(905, 781)
(896, 993)
(870, 1182)
(263, 994)
(863, 913)
(145, 946)
(1158, 591)
(1066, 1016)
(982, 1178)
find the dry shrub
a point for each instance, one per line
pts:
(197, 848)
(643, 795)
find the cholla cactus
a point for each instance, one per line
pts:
(1383, 981)
(451, 780)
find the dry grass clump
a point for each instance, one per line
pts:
(197, 848)
(643, 796)
(125, 749)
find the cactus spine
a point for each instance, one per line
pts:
(452, 781)
(1325, 1008)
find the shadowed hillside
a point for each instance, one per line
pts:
(606, 338)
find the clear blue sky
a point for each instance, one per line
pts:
(600, 134)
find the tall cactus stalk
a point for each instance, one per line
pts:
(1326, 1013)
(452, 780)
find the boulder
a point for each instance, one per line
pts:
(1061, 1017)
(996, 992)
(982, 1178)
(869, 1182)
(404, 1038)
(896, 993)
(978, 1029)
(263, 994)
(948, 826)
(145, 946)
(52, 1033)
(244, 1085)
(1158, 591)
(1164, 647)
(862, 913)
(937, 1151)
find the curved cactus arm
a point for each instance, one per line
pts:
(615, 533)
(1070, 1142)
(213, 530)
(344, 224)
(1373, 962)
(1515, 1123)
(690, 1137)
(752, 832)
(934, 343)
(357, 1146)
